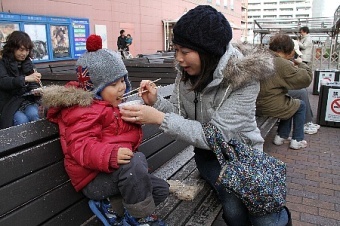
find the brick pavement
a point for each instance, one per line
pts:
(313, 176)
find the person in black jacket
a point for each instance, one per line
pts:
(17, 79)
(121, 43)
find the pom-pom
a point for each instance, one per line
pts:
(93, 43)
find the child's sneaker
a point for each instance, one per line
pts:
(151, 220)
(294, 144)
(279, 140)
(103, 210)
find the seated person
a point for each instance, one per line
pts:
(100, 148)
(273, 99)
(302, 94)
(17, 79)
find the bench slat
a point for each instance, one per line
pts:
(72, 217)
(39, 211)
(165, 208)
(207, 211)
(151, 146)
(267, 125)
(30, 160)
(183, 211)
(179, 161)
(43, 181)
(149, 131)
(166, 153)
(29, 134)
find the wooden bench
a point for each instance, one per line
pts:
(35, 189)
(157, 58)
(60, 74)
(57, 73)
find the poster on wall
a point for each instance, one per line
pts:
(101, 31)
(37, 32)
(80, 31)
(60, 41)
(5, 30)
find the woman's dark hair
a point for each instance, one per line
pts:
(281, 43)
(208, 66)
(16, 40)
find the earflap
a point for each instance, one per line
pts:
(84, 78)
(127, 82)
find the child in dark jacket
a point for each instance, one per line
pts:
(100, 148)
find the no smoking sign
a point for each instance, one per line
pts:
(335, 106)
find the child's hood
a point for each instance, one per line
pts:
(60, 96)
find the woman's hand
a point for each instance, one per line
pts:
(142, 114)
(34, 77)
(149, 97)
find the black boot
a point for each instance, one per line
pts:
(289, 217)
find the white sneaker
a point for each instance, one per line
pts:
(279, 141)
(310, 129)
(294, 144)
(313, 125)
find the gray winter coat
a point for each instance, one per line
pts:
(228, 102)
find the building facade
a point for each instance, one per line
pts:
(274, 10)
(143, 19)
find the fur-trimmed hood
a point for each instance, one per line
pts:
(256, 64)
(66, 96)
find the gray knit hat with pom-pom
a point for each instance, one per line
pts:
(98, 68)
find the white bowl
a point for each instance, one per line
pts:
(133, 102)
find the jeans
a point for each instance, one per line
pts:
(29, 114)
(235, 213)
(302, 94)
(298, 119)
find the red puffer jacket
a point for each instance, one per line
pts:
(90, 135)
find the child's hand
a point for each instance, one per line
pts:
(124, 155)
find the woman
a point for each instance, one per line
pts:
(215, 84)
(273, 99)
(17, 79)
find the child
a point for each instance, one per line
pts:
(128, 40)
(100, 149)
(17, 79)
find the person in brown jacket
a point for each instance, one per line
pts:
(273, 99)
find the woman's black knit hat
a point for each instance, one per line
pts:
(203, 29)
